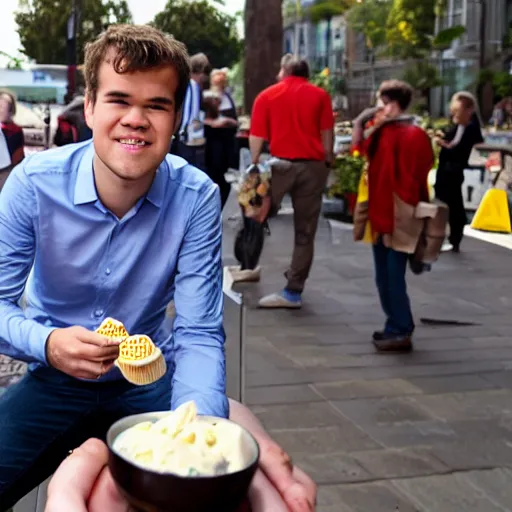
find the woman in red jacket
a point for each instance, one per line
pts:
(400, 158)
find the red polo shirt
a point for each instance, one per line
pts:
(290, 115)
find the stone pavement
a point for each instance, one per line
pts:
(426, 431)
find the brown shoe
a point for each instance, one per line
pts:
(393, 344)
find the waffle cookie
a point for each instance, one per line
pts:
(140, 361)
(113, 329)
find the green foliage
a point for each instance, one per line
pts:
(332, 83)
(347, 173)
(42, 26)
(13, 62)
(367, 17)
(410, 26)
(502, 84)
(236, 81)
(422, 76)
(327, 9)
(203, 28)
(444, 38)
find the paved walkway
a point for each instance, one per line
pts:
(426, 431)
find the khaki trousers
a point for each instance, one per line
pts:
(305, 181)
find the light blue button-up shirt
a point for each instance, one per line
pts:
(87, 265)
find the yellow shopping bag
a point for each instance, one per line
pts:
(493, 213)
(362, 228)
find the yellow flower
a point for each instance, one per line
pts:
(356, 153)
(325, 72)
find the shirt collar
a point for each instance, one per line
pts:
(155, 194)
(85, 188)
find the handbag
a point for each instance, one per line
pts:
(362, 229)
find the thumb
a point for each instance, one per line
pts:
(74, 479)
(107, 496)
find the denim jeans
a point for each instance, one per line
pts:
(48, 413)
(390, 268)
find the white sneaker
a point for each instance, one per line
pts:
(245, 276)
(447, 247)
(276, 300)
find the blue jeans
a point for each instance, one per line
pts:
(390, 268)
(48, 413)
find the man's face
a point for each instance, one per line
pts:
(133, 120)
(5, 109)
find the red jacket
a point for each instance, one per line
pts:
(400, 159)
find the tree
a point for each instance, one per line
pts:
(410, 28)
(367, 18)
(263, 46)
(325, 10)
(203, 28)
(42, 26)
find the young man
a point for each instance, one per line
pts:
(297, 120)
(189, 142)
(455, 152)
(400, 158)
(106, 228)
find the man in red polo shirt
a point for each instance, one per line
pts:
(297, 120)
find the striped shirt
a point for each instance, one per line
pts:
(191, 107)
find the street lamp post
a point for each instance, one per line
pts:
(71, 50)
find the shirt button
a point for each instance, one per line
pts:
(107, 271)
(98, 312)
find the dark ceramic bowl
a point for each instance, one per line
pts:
(149, 491)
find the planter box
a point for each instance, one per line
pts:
(335, 208)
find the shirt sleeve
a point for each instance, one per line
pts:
(259, 118)
(20, 337)
(196, 101)
(327, 116)
(200, 363)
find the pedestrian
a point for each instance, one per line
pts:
(71, 124)
(295, 117)
(12, 135)
(216, 156)
(113, 227)
(400, 158)
(189, 141)
(456, 149)
(219, 82)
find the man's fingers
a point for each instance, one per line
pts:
(99, 354)
(276, 464)
(105, 492)
(92, 370)
(74, 480)
(263, 496)
(308, 483)
(93, 338)
(299, 494)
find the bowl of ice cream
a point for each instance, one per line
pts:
(181, 462)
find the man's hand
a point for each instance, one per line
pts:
(81, 353)
(279, 486)
(83, 483)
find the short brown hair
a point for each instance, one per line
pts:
(138, 47)
(199, 63)
(300, 68)
(397, 90)
(11, 99)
